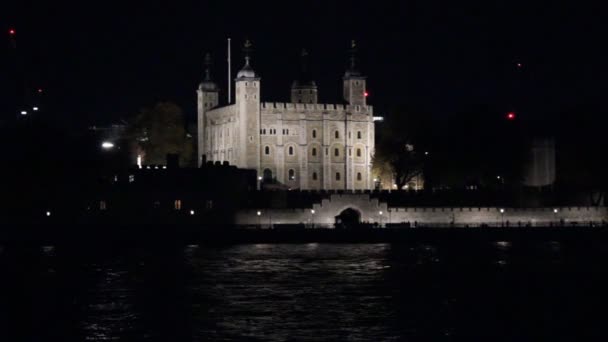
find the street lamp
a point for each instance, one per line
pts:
(191, 212)
(48, 213)
(312, 217)
(259, 214)
(555, 211)
(107, 145)
(502, 216)
(380, 213)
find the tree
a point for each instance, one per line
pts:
(399, 151)
(160, 130)
(397, 161)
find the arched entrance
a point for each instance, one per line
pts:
(267, 176)
(348, 218)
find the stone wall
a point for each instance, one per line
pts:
(373, 211)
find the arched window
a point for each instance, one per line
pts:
(314, 176)
(290, 150)
(358, 152)
(337, 176)
(358, 134)
(314, 133)
(337, 134)
(292, 174)
(314, 152)
(336, 152)
(359, 176)
(267, 150)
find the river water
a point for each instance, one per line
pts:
(491, 291)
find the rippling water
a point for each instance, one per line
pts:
(499, 291)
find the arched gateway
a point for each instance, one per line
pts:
(349, 217)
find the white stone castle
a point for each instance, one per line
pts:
(303, 144)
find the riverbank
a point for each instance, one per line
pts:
(218, 235)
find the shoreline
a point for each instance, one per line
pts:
(221, 235)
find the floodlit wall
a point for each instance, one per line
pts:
(373, 211)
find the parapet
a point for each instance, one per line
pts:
(316, 107)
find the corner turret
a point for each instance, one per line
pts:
(304, 88)
(354, 82)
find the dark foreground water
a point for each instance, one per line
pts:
(490, 291)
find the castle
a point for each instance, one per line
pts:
(302, 144)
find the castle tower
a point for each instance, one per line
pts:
(247, 99)
(208, 97)
(354, 82)
(304, 88)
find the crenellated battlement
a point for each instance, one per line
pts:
(316, 107)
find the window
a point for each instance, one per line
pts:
(177, 204)
(359, 176)
(314, 133)
(267, 150)
(348, 134)
(337, 135)
(264, 131)
(314, 152)
(358, 152)
(291, 150)
(314, 176)
(337, 176)
(336, 152)
(358, 134)
(292, 174)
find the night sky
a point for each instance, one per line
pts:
(98, 62)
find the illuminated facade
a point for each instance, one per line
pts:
(302, 144)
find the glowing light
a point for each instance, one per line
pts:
(260, 178)
(380, 212)
(426, 153)
(23, 112)
(106, 145)
(191, 212)
(312, 211)
(139, 161)
(366, 94)
(12, 32)
(502, 211)
(511, 116)
(378, 118)
(555, 210)
(48, 213)
(259, 213)
(39, 90)
(35, 109)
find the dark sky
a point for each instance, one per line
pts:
(98, 61)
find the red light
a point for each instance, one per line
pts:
(366, 94)
(511, 116)
(11, 32)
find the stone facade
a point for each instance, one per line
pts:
(302, 144)
(372, 210)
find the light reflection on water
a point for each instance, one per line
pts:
(277, 292)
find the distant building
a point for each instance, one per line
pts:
(302, 144)
(540, 167)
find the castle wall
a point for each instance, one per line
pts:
(372, 210)
(317, 146)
